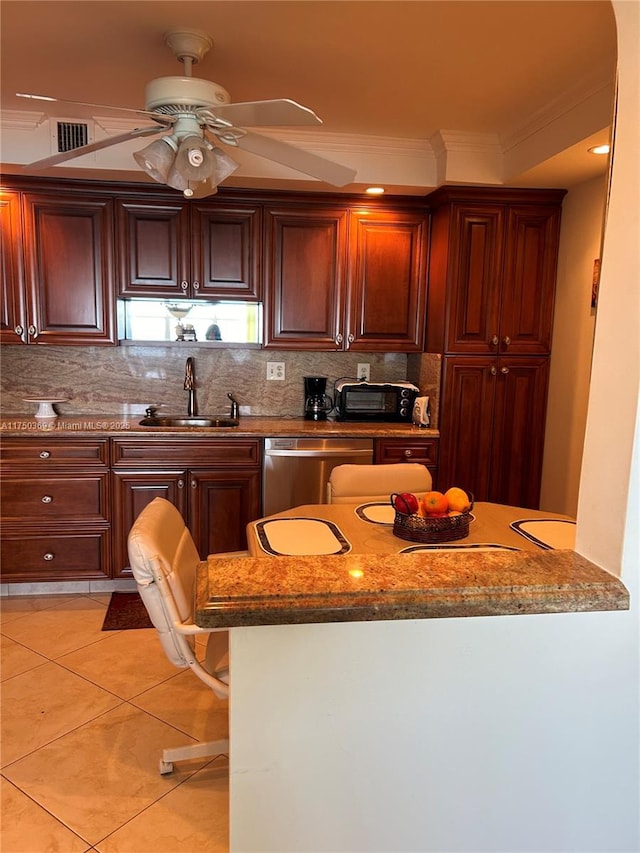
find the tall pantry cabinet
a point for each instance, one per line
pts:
(492, 278)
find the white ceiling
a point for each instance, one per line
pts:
(411, 93)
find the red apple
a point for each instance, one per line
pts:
(406, 503)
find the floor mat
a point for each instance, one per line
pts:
(125, 611)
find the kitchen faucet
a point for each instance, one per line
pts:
(190, 386)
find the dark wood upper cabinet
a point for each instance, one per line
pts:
(183, 249)
(492, 270)
(305, 269)
(345, 279)
(68, 246)
(13, 323)
(387, 281)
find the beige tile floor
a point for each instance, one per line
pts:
(85, 716)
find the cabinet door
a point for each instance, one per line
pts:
(69, 270)
(529, 281)
(226, 243)
(153, 248)
(221, 504)
(305, 278)
(12, 308)
(387, 281)
(518, 431)
(132, 491)
(474, 281)
(466, 423)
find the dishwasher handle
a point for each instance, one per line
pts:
(320, 452)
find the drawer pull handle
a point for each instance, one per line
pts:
(408, 453)
(45, 454)
(47, 499)
(48, 556)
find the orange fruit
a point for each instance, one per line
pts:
(434, 503)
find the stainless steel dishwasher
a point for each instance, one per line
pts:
(296, 470)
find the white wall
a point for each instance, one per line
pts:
(572, 347)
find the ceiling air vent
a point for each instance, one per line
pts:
(71, 135)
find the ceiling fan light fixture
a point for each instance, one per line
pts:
(157, 159)
(194, 160)
(224, 166)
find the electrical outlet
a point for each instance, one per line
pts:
(364, 371)
(275, 370)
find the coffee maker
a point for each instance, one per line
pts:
(317, 403)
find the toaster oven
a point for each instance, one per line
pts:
(371, 401)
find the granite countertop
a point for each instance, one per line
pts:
(20, 425)
(243, 591)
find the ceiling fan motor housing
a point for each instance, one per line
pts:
(169, 94)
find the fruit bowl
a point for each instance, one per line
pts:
(432, 529)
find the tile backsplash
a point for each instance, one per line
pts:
(127, 379)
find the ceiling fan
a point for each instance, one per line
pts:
(194, 115)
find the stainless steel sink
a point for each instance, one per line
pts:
(192, 421)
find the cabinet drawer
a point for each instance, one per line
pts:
(51, 452)
(27, 557)
(424, 451)
(47, 499)
(185, 451)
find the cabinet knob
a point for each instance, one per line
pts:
(506, 340)
(495, 340)
(46, 499)
(194, 485)
(408, 453)
(493, 370)
(181, 484)
(339, 338)
(196, 285)
(184, 285)
(33, 331)
(504, 370)
(48, 556)
(19, 330)
(351, 338)
(45, 454)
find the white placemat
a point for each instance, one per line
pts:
(548, 533)
(376, 513)
(301, 536)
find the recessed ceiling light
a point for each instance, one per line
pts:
(600, 149)
(374, 190)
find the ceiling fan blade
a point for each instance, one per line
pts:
(295, 158)
(161, 117)
(276, 113)
(94, 146)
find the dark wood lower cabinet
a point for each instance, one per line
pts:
(492, 426)
(216, 486)
(66, 517)
(389, 451)
(217, 505)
